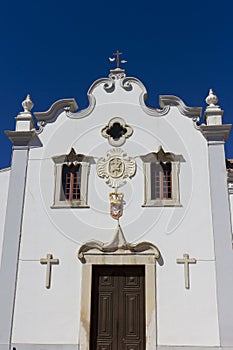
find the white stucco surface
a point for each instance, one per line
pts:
(4, 183)
(184, 317)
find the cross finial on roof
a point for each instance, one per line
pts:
(117, 54)
(117, 58)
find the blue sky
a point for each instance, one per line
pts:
(56, 49)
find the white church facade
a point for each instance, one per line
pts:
(115, 228)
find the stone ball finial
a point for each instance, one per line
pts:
(27, 104)
(211, 99)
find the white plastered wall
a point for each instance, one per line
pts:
(4, 183)
(184, 317)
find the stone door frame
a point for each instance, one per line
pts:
(119, 258)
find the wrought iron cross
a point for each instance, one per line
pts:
(49, 261)
(117, 58)
(117, 54)
(186, 261)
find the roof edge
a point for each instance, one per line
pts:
(170, 100)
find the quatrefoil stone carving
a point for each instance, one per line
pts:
(117, 131)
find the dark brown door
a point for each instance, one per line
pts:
(118, 308)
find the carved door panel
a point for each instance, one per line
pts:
(118, 308)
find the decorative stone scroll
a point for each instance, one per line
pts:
(116, 167)
(118, 245)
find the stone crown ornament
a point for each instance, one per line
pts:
(116, 167)
(27, 104)
(211, 99)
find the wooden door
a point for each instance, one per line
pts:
(118, 308)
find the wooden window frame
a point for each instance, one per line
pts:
(161, 181)
(71, 174)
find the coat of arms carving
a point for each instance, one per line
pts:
(116, 205)
(116, 167)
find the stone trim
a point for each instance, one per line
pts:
(74, 158)
(175, 347)
(11, 243)
(55, 108)
(215, 133)
(150, 293)
(126, 83)
(221, 222)
(26, 346)
(157, 157)
(175, 201)
(118, 252)
(82, 203)
(170, 100)
(121, 140)
(117, 246)
(21, 138)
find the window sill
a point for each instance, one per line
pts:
(67, 204)
(162, 203)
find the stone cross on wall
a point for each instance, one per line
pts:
(49, 261)
(186, 261)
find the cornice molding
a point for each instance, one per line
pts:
(72, 157)
(109, 85)
(215, 133)
(126, 84)
(170, 100)
(68, 104)
(84, 112)
(21, 138)
(161, 156)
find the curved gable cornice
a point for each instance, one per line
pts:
(110, 85)
(170, 100)
(165, 101)
(56, 107)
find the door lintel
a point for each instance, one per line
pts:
(117, 246)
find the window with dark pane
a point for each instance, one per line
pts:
(71, 182)
(161, 180)
(116, 131)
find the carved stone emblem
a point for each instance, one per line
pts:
(116, 167)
